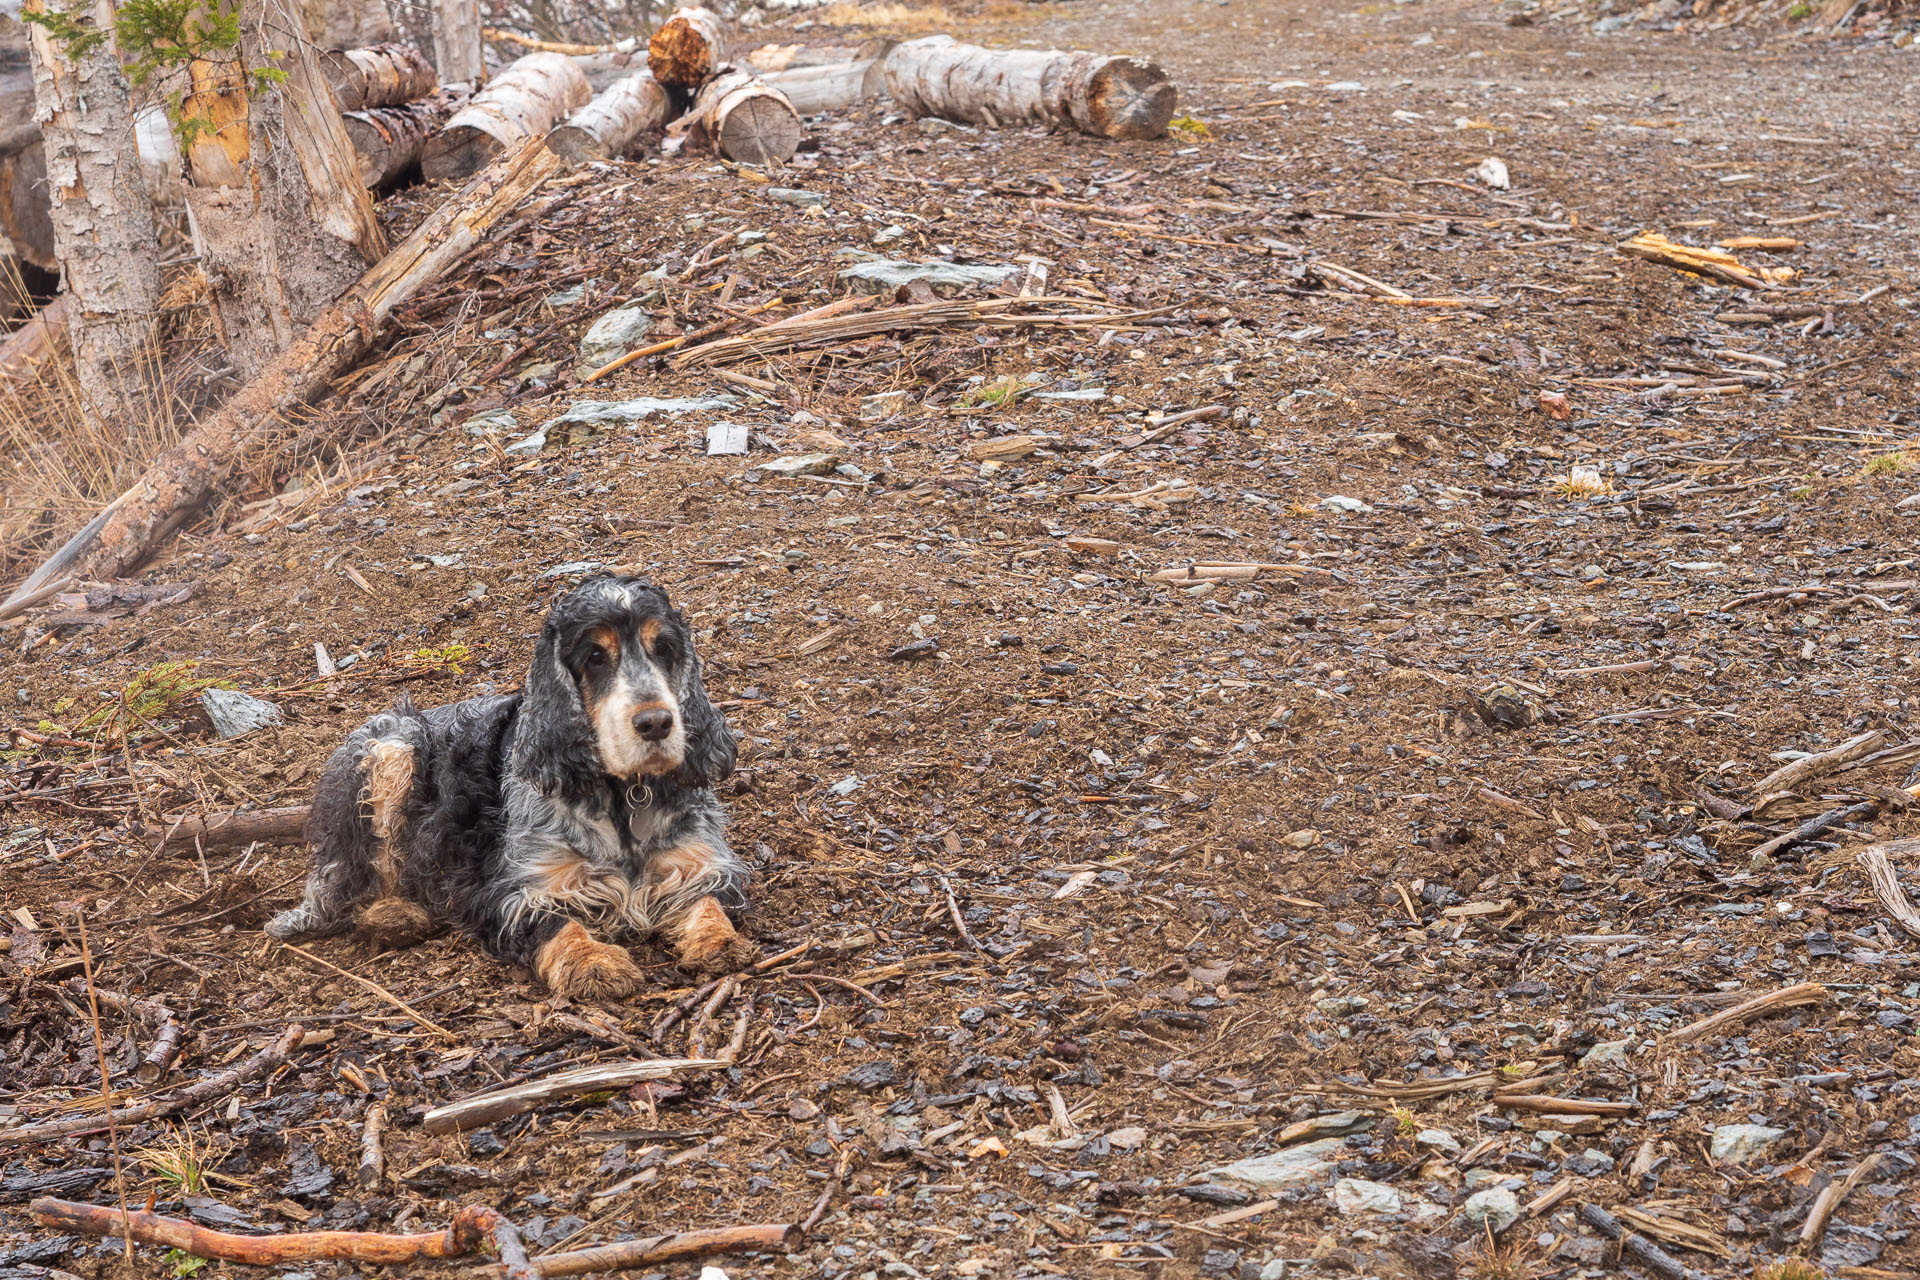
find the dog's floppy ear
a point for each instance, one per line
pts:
(710, 752)
(553, 744)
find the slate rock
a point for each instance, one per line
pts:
(1214, 1193)
(1308, 1162)
(884, 275)
(1357, 1195)
(613, 335)
(207, 1210)
(307, 1173)
(234, 714)
(1742, 1143)
(1496, 1207)
(799, 464)
(870, 1076)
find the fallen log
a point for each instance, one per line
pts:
(607, 126)
(387, 75)
(689, 49)
(502, 36)
(828, 87)
(1111, 97)
(260, 417)
(389, 140)
(470, 1228)
(743, 119)
(216, 1086)
(34, 342)
(519, 104)
(236, 830)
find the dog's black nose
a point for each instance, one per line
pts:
(653, 723)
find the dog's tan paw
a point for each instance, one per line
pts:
(574, 964)
(707, 942)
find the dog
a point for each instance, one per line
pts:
(534, 821)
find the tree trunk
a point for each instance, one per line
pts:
(282, 218)
(387, 75)
(1110, 97)
(388, 140)
(457, 51)
(102, 221)
(688, 48)
(813, 89)
(25, 213)
(346, 24)
(607, 126)
(18, 128)
(743, 119)
(520, 103)
(258, 418)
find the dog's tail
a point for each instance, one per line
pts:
(358, 833)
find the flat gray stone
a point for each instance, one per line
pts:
(796, 197)
(613, 335)
(588, 418)
(1741, 1143)
(884, 275)
(233, 713)
(1496, 1207)
(1357, 1195)
(1308, 1162)
(801, 464)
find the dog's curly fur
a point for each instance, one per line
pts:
(583, 803)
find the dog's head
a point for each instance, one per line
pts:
(615, 691)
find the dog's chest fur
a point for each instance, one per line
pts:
(573, 861)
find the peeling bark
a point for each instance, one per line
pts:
(101, 218)
(607, 126)
(1112, 97)
(520, 103)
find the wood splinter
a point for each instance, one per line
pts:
(373, 1156)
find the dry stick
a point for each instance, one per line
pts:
(1639, 1248)
(193, 1095)
(106, 1080)
(1886, 885)
(1788, 776)
(672, 1247)
(1830, 1198)
(953, 910)
(378, 990)
(373, 1159)
(1563, 1106)
(1785, 998)
(1816, 825)
(485, 1108)
(237, 830)
(469, 1228)
(166, 1043)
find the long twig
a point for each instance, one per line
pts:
(193, 1095)
(1785, 998)
(106, 1079)
(953, 912)
(674, 1246)
(1829, 1199)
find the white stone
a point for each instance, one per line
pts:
(613, 335)
(1740, 1143)
(1497, 1207)
(1308, 1162)
(1357, 1195)
(1438, 1139)
(1128, 1139)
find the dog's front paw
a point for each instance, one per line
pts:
(574, 964)
(707, 942)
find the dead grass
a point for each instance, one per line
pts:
(909, 20)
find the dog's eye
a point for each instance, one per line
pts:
(596, 658)
(667, 652)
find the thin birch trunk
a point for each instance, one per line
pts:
(828, 87)
(103, 229)
(457, 51)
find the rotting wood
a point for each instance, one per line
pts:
(389, 140)
(487, 1108)
(1806, 993)
(385, 75)
(608, 125)
(470, 1228)
(258, 417)
(1563, 1106)
(500, 35)
(689, 49)
(216, 1086)
(1110, 97)
(802, 331)
(1818, 765)
(742, 118)
(1830, 1199)
(1877, 861)
(519, 104)
(1638, 1247)
(1714, 263)
(40, 339)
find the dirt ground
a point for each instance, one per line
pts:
(1098, 883)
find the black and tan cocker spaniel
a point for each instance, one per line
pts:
(533, 821)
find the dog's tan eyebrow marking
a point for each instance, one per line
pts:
(607, 638)
(650, 631)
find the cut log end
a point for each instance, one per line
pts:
(1131, 100)
(458, 151)
(688, 48)
(760, 130)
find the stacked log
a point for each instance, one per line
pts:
(385, 75)
(828, 86)
(607, 126)
(744, 119)
(689, 49)
(389, 140)
(1110, 97)
(521, 103)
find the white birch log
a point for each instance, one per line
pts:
(786, 57)
(688, 49)
(385, 75)
(102, 221)
(458, 53)
(388, 140)
(520, 103)
(607, 126)
(743, 119)
(829, 87)
(1110, 97)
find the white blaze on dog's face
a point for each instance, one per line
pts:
(626, 676)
